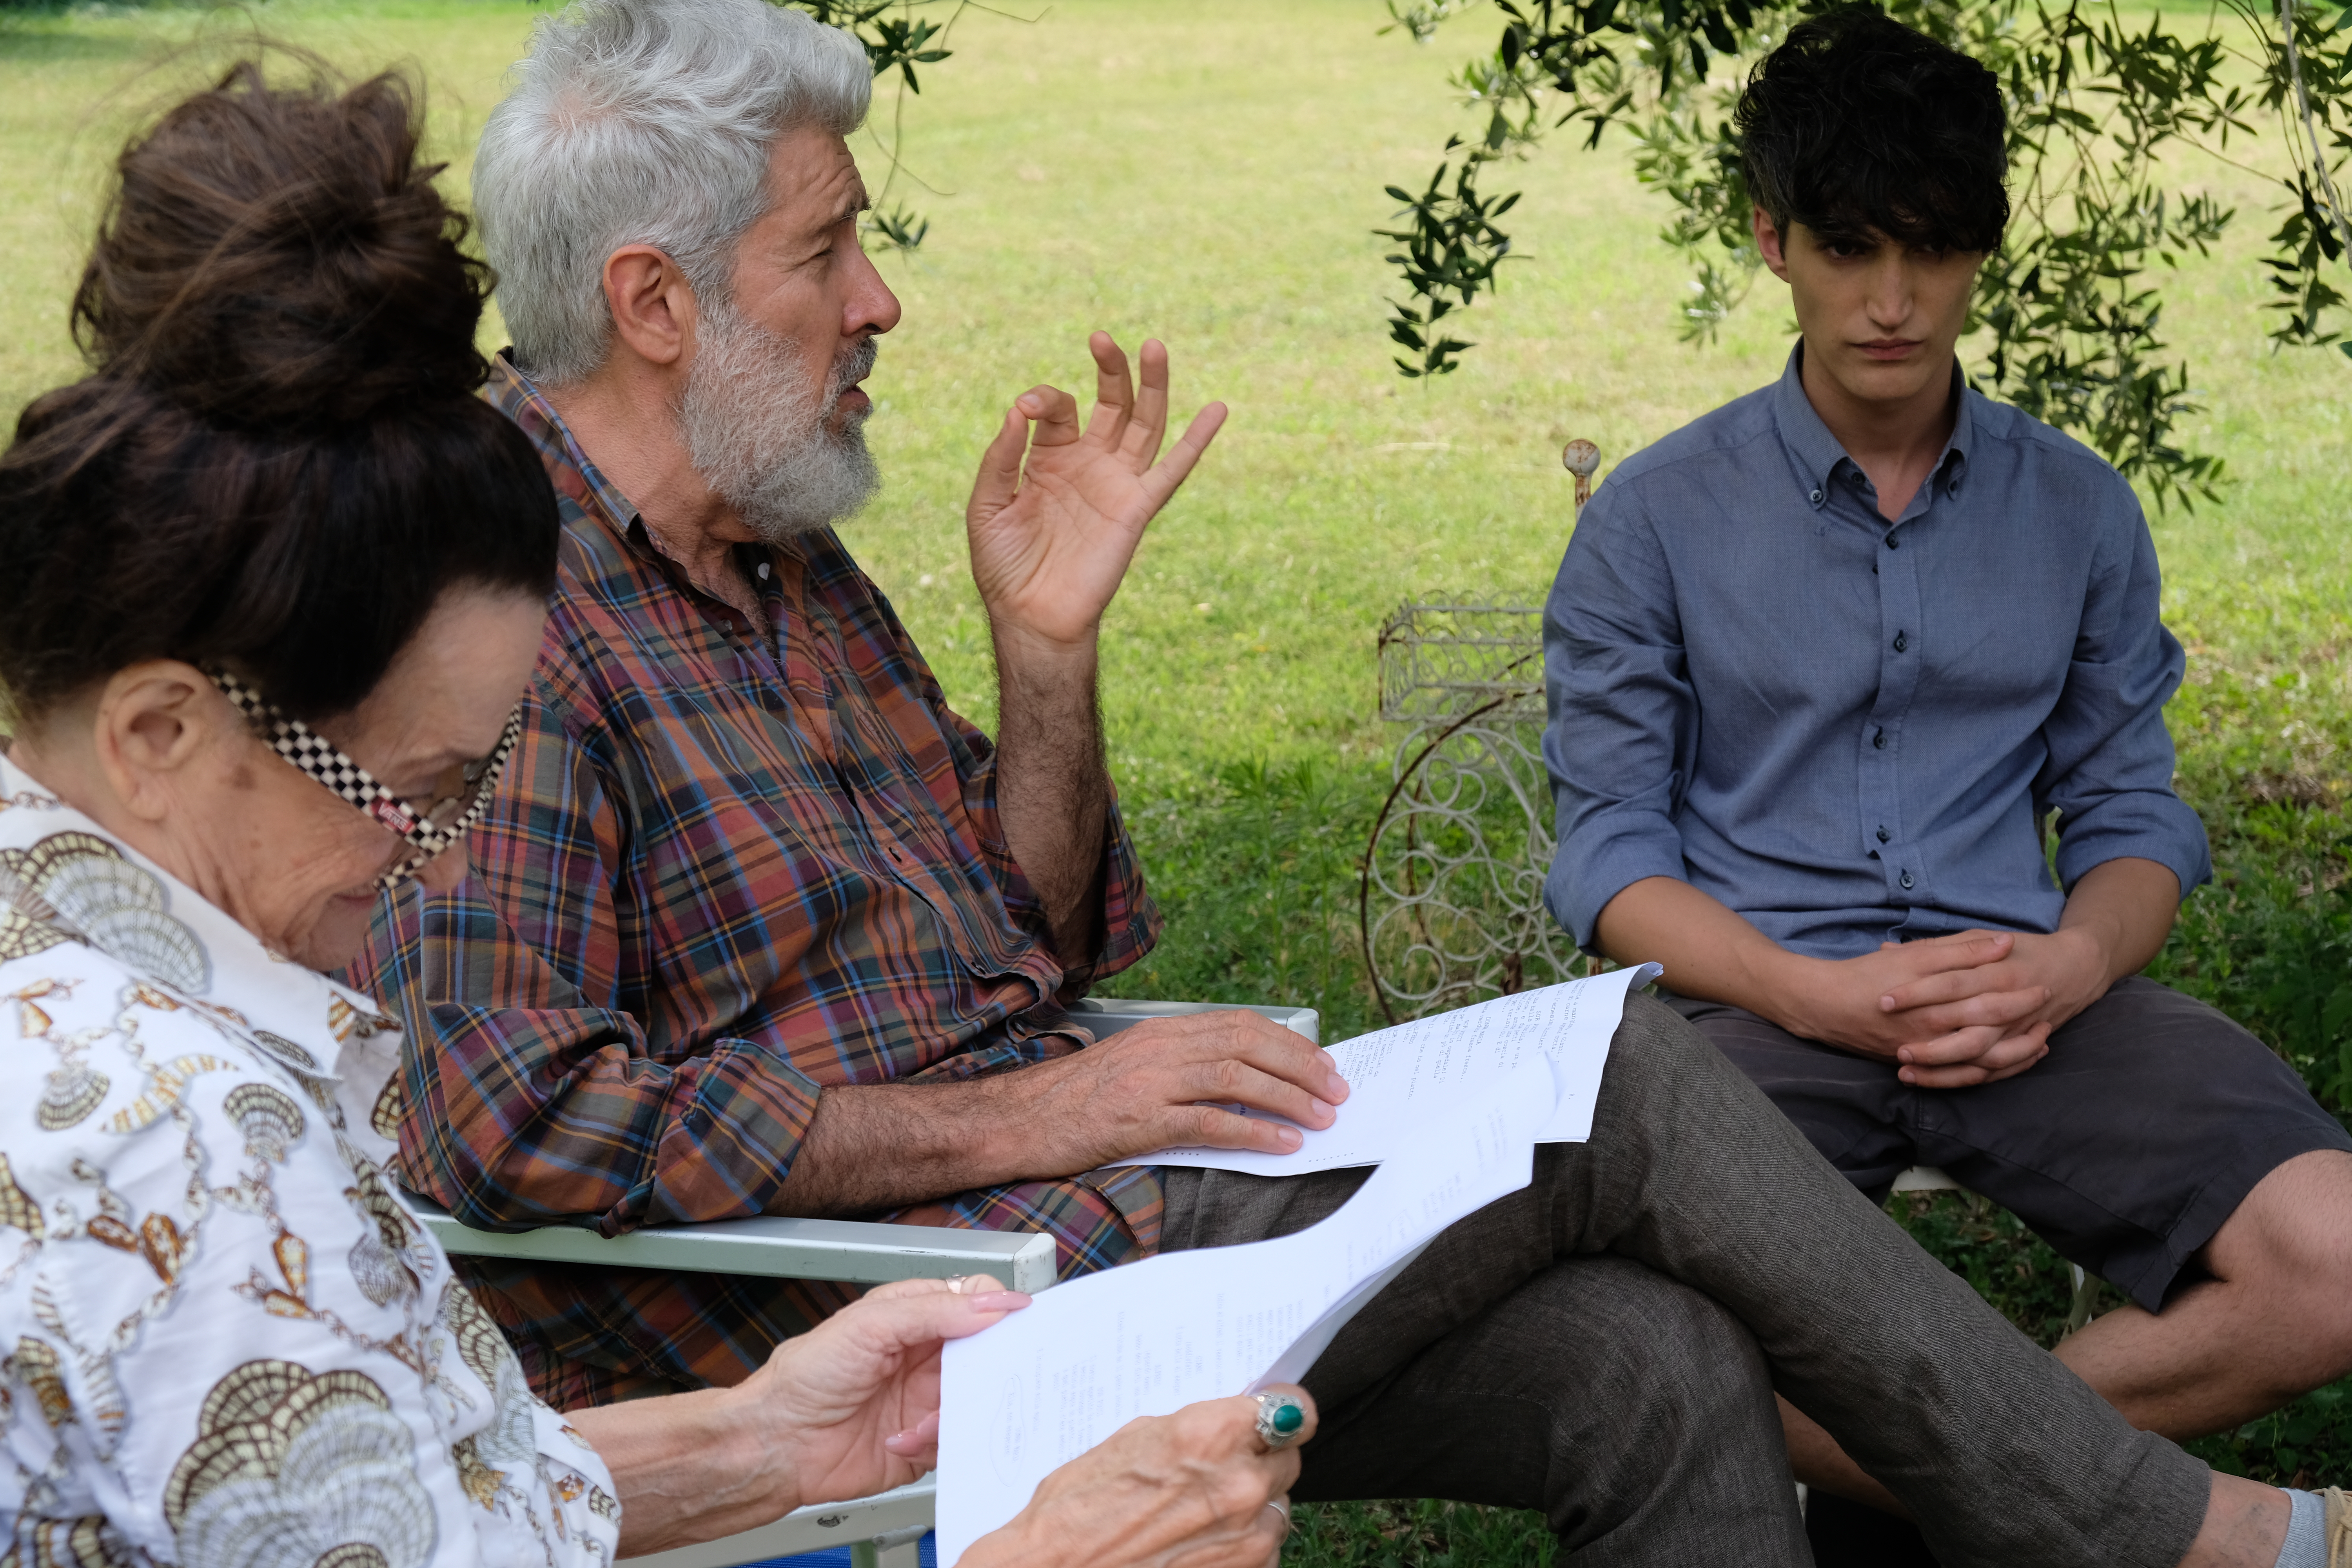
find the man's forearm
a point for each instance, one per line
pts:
(872, 1147)
(1053, 791)
(1709, 950)
(2128, 906)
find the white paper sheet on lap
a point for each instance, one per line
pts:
(1398, 1078)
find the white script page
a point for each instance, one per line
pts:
(1400, 1078)
(1023, 1398)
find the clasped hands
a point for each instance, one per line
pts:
(1970, 1008)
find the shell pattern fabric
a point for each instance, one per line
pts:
(224, 1341)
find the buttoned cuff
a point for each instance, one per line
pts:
(1132, 919)
(727, 1150)
(2091, 846)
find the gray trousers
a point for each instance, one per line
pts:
(1604, 1345)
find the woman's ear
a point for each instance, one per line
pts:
(153, 721)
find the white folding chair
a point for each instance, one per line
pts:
(883, 1531)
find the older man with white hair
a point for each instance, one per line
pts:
(759, 925)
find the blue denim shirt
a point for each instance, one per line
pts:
(1847, 730)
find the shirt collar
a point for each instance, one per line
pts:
(516, 396)
(63, 878)
(1817, 453)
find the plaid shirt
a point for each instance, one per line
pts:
(722, 873)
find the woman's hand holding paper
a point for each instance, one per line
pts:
(1194, 1490)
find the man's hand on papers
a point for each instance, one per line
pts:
(1167, 1082)
(1190, 1488)
(1050, 544)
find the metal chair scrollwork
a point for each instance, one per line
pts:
(1451, 905)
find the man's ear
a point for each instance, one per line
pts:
(1768, 244)
(652, 304)
(154, 720)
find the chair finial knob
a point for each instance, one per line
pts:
(1582, 458)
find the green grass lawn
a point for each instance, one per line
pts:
(1209, 171)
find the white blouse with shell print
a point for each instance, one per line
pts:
(223, 1339)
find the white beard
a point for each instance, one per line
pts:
(754, 431)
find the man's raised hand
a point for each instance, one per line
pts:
(1051, 540)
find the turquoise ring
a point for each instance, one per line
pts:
(1280, 1419)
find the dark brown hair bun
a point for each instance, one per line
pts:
(281, 258)
(278, 462)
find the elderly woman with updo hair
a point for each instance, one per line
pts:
(273, 584)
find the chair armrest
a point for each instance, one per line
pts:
(1109, 1015)
(859, 1251)
(908, 1512)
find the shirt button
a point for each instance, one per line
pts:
(1890, 542)
(1906, 881)
(1901, 642)
(1882, 835)
(1879, 740)
(763, 570)
(1815, 498)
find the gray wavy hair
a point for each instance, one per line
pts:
(644, 123)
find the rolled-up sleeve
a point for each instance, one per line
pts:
(2109, 768)
(1619, 738)
(531, 1095)
(1131, 920)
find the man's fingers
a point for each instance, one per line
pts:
(1941, 986)
(1946, 954)
(1991, 1009)
(1949, 1050)
(2007, 1058)
(1239, 1082)
(1972, 1056)
(1203, 1126)
(1160, 481)
(1239, 1035)
(1149, 426)
(1056, 412)
(1114, 392)
(1279, 1053)
(999, 479)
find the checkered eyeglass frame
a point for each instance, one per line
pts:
(463, 787)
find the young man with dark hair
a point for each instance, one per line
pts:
(1822, 666)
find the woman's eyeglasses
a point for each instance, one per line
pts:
(461, 793)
